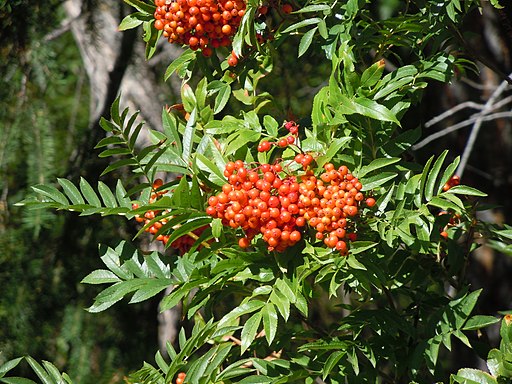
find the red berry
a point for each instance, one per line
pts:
(282, 143)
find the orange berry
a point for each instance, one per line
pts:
(287, 8)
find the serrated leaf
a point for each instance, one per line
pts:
(107, 125)
(365, 107)
(331, 362)
(473, 376)
(444, 204)
(305, 41)
(336, 145)
(51, 192)
(270, 321)
(133, 21)
(372, 75)
(432, 179)
(53, 371)
(242, 309)
(71, 191)
(302, 23)
(281, 302)
(285, 289)
(119, 164)
(100, 276)
(188, 136)
(222, 98)
(465, 190)
(377, 180)
(89, 193)
(250, 330)
(376, 164)
(16, 380)
(152, 288)
(141, 6)
(109, 140)
(8, 365)
(39, 370)
(479, 321)
(106, 195)
(183, 60)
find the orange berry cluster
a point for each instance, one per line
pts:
(329, 201)
(200, 24)
(150, 215)
(454, 180)
(181, 378)
(283, 142)
(261, 201)
(183, 243)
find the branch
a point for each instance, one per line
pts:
(462, 124)
(476, 127)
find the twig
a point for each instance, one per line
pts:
(476, 127)
(460, 125)
(64, 27)
(467, 104)
(451, 111)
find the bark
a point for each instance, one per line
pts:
(115, 65)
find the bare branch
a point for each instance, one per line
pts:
(462, 124)
(476, 128)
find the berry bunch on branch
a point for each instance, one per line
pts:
(200, 24)
(284, 207)
(153, 224)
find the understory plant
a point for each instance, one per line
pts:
(310, 248)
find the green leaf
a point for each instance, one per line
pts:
(480, 321)
(89, 193)
(100, 276)
(473, 376)
(302, 23)
(39, 370)
(271, 125)
(314, 8)
(465, 190)
(51, 192)
(106, 195)
(270, 321)
(240, 139)
(250, 330)
(331, 362)
(334, 148)
(259, 379)
(372, 75)
(71, 191)
(133, 21)
(107, 125)
(281, 302)
(223, 91)
(182, 61)
(283, 286)
(188, 137)
(376, 164)
(16, 380)
(377, 180)
(8, 365)
(141, 6)
(152, 288)
(305, 41)
(432, 179)
(444, 204)
(242, 309)
(365, 107)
